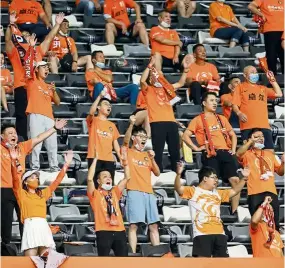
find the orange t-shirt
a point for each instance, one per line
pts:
(40, 98)
(102, 134)
(140, 170)
(60, 46)
(259, 237)
(196, 126)
(227, 111)
(255, 184)
(31, 205)
(165, 50)
(252, 101)
(4, 3)
(19, 72)
(27, 11)
(117, 9)
(5, 78)
(219, 10)
(24, 149)
(205, 72)
(158, 106)
(141, 103)
(90, 75)
(274, 13)
(169, 5)
(99, 207)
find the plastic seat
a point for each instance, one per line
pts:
(94, 22)
(82, 110)
(165, 179)
(55, 200)
(191, 178)
(78, 200)
(139, 50)
(108, 50)
(176, 214)
(209, 51)
(238, 251)
(239, 233)
(61, 6)
(243, 214)
(185, 251)
(192, 22)
(64, 234)
(232, 52)
(47, 178)
(179, 200)
(248, 22)
(181, 238)
(85, 233)
(122, 110)
(154, 251)
(78, 143)
(76, 80)
(11, 111)
(120, 80)
(151, 21)
(15, 233)
(81, 177)
(59, 80)
(166, 200)
(73, 96)
(73, 127)
(66, 213)
(188, 111)
(122, 126)
(226, 66)
(205, 38)
(89, 36)
(226, 215)
(63, 111)
(80, 250)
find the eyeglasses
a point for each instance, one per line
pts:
(143, 137)
(213, 177)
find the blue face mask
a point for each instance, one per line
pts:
(253, 78)
(100, 64)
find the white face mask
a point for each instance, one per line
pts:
(221, 1)
(100, 64)
(137, 146)
(106, 187)
(63, 34)
(165, 24)
(259, 146)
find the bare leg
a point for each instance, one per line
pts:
(181, 8)
(140, 29)
(42, 250)
(85, 61)
(31, 252)
(47, 9)
(53, 64)
(191, 9)
(133, 237)
(143, 120)
(111, 32)
(246, 49)
(154, 235)
(233, 44)
(235, 200)
(158, 61)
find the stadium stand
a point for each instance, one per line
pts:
(128, 58)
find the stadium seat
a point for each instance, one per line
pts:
(243, 214)
(248, 22)
(151, 21)
(155, 251)
(55, 199)
(226, 215)
(47, 178)
(71, 19)
(181, 238)
(66, 213)
(85, 233)
(121, 110)
(94, 22)
(59, 80)
(192, 22)
(188, 111)
(176, 214)
(165, 179)
(72, 96)
(78, 143)
(82, 110)
(239, 233)
(85, 250)
(185, 251)
(233, 52)
(63, 111)
(205, 38)
(81, 177)
(163, 194)
(16, 233)
(108, 50)
(191, 178)
(139, 50)
(76, 80)
(238, 251)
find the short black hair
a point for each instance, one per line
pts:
(196, 46)
(103, 99)
(206, 172)
(94, 53)
(232, 77)
(207, 94)
(65, 20)
(137, 130)
(255, 130)
(5, 126)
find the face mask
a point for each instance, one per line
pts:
(106, 187)
(63, 34)
(253, 78)
(138, 146)
(259, 146)
(100, 64)
(165, 24)
(33, 184)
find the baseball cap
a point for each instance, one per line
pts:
(29, 174)
(41, 63)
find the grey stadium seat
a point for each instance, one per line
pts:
(78, 143)
(181, 238)
(85, 233)
(66, 213)
(63, 111)
(188, 111)
(80, 250)
(239, 233)
(166, 200)
(122, 110)
(192, 22)
(139, 50)
(233, 52)
(185, 250)
(82, 110)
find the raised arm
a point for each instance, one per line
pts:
(94, 106)
(8, 35)
(123, 183)
(177, 183)
(145, 73)
(257, 216)
(236, 189)
(186, 65)
(128, 134)
(275, 86)
(90, 176)
(59, 124)
(17, 172)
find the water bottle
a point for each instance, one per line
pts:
(65, 195)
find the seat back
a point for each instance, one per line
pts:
(176, 214)
(137, 50)
(185, 250)
(239, 251)
(76, 250)
(63, 209)
(243, 214)
(154, 251)
(191, 178)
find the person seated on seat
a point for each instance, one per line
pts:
(88, 6)
(63, 52)
(226, 102)
(109, 226)
(37, 236)
(141, 202)
(98, 78)
(185, 8)
(118, 22)
(225, 25)
(250, 104)
(265, 239)
(103, 134)
(205, 201)
(201, 75)
(28, 12)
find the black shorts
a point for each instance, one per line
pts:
(267, 133)
(100, 166)
(130, 30)
(107, 240)
(166, 62)
(224, 163)
(210, 245)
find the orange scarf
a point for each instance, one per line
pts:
(269, 216)
(263, 165)
(111, 216)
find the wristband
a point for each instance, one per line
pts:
(55, 128)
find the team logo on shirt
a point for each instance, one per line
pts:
(104, 134)
(203, 76)
(140, 163)
(111, 129)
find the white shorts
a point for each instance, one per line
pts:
(37, 233)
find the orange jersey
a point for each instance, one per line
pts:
(24, 148)
(169, 5)
(60, 46)
(259, 237)
(6, 78)
(196, 127)
(219, 10)
(255, 183)
(91, 74)
(165, 50)
(102, 134)
(141, 103)
(227, 111)
(274, 14)
(158, 106)
(31, 205)
(205, 209)
(117, 9)
(205, 72)
(140, 171)
(19, 72)
(99, 207)
(27, 11)
(252, 101)
(40, 98)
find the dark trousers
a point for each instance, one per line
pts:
(255, 200)
(101, 166)
(8, 204)
(162, 132)
(39, 29)
(196, 92)
(21, 102)
(274, 50)
(107, 240)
